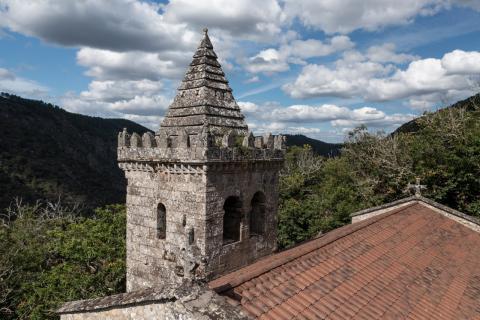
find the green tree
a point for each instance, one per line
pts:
(53, 258)
(316, 195)
(446, 152)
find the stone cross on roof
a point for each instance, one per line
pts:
(204, 98)
(417, 187)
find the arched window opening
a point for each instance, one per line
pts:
(161, 221)
(257, 215)
(231, 220)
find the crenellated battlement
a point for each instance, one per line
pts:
(199, 147)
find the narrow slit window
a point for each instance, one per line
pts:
(161, 221)
(257, 215)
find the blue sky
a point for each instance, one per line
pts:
(316, 67)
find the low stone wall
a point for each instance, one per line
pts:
(468, 221)
(149, 311)
(372, 213)
(186, 302)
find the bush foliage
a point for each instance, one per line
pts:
(49, 256)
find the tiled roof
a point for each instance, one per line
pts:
(409, 263)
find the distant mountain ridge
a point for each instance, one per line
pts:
(470, 104)
(319, 147)
(47, 152)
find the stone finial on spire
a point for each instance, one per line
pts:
(205, 43)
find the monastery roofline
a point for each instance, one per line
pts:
(398, 203)
(245, 274)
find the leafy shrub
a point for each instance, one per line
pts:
(56, 257)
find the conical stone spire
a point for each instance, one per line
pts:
(204, 98)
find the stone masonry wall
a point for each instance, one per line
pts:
(150, 311)
(152, 261)
(188, 301)
(194, 203)
(158, 311)
(243, 182)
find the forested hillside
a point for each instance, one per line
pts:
(470, 104)
(48, 153)
(319, 147)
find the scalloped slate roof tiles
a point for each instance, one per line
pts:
(409, 263)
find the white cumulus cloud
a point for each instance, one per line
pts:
(345, 16)
(11, 83)
(142, 100)
(267, 61)
(106, 64)
(277, 117)
(249, 19)
(356, 76)
(345, 79)
(248, 107)
(273, 60)
(461, 62)
(111, 24)
(386, 53)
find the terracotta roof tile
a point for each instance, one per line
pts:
(308, 314)
(409, 263)
(252, 309)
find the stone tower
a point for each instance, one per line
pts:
(202, 192)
